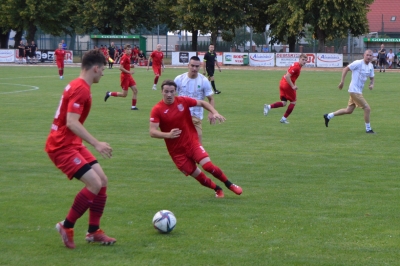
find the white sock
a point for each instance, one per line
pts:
(330, 116)
(283, 118)
(367, 126)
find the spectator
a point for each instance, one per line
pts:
(390, 58)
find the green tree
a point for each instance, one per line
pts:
(337, 18)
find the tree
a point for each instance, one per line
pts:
(336, 18)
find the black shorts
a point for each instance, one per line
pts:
(382, 61)
(210, 71)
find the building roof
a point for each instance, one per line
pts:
(384, 16)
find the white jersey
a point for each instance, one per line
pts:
(197, 88)
(360, 73)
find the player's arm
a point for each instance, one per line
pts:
(148, 62)
(124, 70)
(75, 126)
(371, 83)
(162, 64)
(155, 133)
(211, 109)
(210, 115)
(289, 80)
(344, 73)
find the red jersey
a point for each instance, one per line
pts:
(135, 51)
(60, 54)
(157, 57)
(294, 71)
(176, 115)
(126, 63)
(76, 98)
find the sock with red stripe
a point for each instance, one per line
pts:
(205, 181)
(96, 210)
(276, 105)
(289, 110)
(82, 202)
(215, 171)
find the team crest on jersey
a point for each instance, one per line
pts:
(180, 107)
(77, 161)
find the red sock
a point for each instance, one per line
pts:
(62, 72)
(59, 73)
(276, 105)
(82, 202)
(133, 102)
(114, 94)
(156, 79)
(205, 181)
(215, 171)
(97, 208)
(289, 110)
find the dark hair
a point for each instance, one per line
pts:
(195, 58)
(92, 58)
(168, 82)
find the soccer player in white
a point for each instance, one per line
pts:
(361, 70)
(195, 85)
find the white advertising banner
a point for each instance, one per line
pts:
(219, 57)
(46, 56)
(181, 58)
(329, 60)
(262, 59)
(7, 56)
(233, 58)
(287, 59)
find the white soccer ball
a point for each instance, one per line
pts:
(164, 221)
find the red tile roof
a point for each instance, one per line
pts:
(387, 8)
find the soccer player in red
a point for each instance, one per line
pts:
(157, 58)
(288, 88)
(172, 116)
(59, 55)
(126, 78)
(65, 148)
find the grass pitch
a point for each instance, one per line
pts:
(312, 195)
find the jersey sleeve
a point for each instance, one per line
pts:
(354, 65)
(154, 117)
(78, 98)
(190, 101)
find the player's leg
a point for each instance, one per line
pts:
(199, 128)
(157, 73)
(344, 111)
(124, 86)
(134, 97)
(282, 103)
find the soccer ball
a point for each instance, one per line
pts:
(164, 221)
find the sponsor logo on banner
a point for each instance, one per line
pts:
(287, 59)
(233, 58)
(329, 60)
(181, 58)
(7, 56)
(262, 59)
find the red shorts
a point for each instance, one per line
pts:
(157, 70)
(127, 81)
(71, 160)
(186, 162)
(60, 64)
(286, 91)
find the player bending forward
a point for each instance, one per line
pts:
(172, 116)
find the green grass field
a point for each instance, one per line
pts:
(312, 195)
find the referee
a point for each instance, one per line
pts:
(210, 60)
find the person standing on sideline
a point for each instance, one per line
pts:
(157, 58)
(288, 89)
(64, 45)
(390, 58)
(209, 63)
(33, 48)
(59, 55)
(126, 78)
(27, 52)
(382, 58)
(111, 53)
(194, 85)
(170, 120)
(65, 148)
(360, 71)
(21, 52)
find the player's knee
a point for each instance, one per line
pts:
(284, 103)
